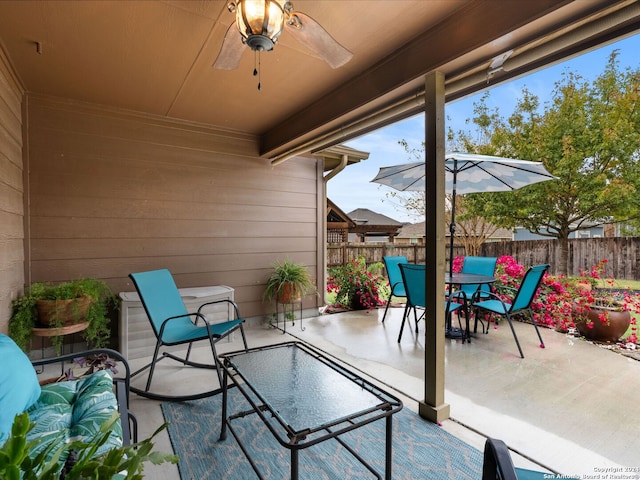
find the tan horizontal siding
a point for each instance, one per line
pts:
(10, 171)
(78, 227)
(114, 192)
(108, 207)
(54, 155)
(77, 248)
(12, 225)
(186, 196)
(10, 105)
(11, 200)
(10, 121)
(11, 191)
(12, 268)
(255, 265)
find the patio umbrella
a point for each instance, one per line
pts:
(467, 173)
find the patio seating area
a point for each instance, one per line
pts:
(571, 407)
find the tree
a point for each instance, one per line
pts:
(471, 230)
(588, 137)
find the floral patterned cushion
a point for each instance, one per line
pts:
(75, 410)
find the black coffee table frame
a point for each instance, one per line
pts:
(304, 398)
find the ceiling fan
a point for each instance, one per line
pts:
(258, 25)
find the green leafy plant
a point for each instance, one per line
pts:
(83, 366)
(126, 462)
(25, 316)
(288, 275)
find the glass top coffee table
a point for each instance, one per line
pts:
(304, 398)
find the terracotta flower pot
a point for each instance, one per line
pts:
(69, 312)
(289, 293)
(590, 324)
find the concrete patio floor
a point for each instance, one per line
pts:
(570, 408)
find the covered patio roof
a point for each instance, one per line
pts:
(156, 57)
(152, 59)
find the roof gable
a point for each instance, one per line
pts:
(364, 216)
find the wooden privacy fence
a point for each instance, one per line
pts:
(622, 254)
(341, 253)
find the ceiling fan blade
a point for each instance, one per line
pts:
(310, 34)
(231, 50)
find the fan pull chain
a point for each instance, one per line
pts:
(256, 71)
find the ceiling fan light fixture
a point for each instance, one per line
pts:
(260, 22)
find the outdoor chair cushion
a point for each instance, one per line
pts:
(75, 410)
(19, 387)
(69, 410)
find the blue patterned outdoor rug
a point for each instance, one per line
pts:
(421, 449)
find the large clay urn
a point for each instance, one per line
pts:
(615, 325)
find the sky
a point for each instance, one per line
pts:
(352, 188)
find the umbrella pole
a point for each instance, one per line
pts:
(452, 225)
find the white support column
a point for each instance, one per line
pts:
(433, 407)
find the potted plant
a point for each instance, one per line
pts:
(84, 366)
(47, 305)
(125, 462)
(603, 314)
(288, 282)
(600, 311)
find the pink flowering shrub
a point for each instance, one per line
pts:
(560, 297)
(356, 285)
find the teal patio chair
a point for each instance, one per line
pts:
(413, 277)
(391, 265)
(479, 266)
(521, 302)
(498, 465)
(173, 325)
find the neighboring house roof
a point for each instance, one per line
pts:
(336, 215)
(417, 230)
(371, 224)
(412, 230)
(503, 233)
(364, 216)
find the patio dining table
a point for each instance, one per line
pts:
(457, 279)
